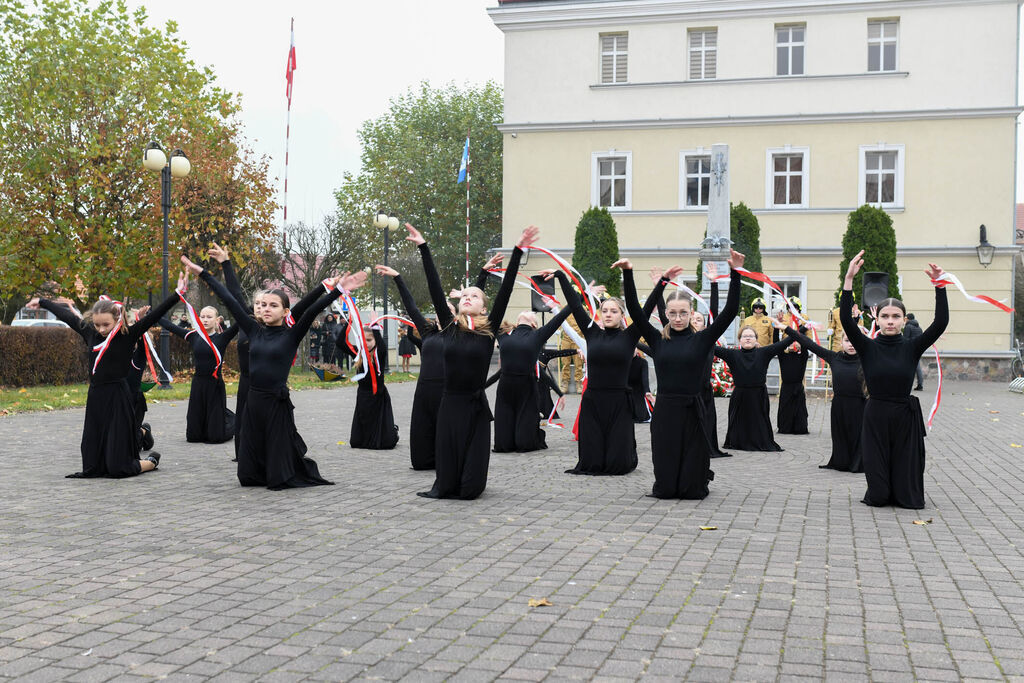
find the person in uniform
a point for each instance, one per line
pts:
(760, 322)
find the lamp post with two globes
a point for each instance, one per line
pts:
(388, 224)
(178, 166)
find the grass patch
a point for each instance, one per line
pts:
(44, 398)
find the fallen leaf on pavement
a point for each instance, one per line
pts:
(709, 528)
(1015, 445)
(923, 522)
(542, 602)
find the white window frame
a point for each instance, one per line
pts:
(595, 178)
(901, 155)
(614, 54)
(805, 173)
(703, 50)
(790, 44)
(771, 295)
(683, 177)
(882, 41)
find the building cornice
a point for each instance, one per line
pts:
(759, 79)
(955, 250)
(775, 120)
(544, 15)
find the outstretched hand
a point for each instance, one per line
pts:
(673, 272)
(33, 305)
(191, 267)
(623, 263)
(933, 271)
(387, 271)
(350, 281)
(218, 253)
(528, 237)
(414, 235)
(856, 263)
(656, 274)
(183, 277)
(547, 273)
(494, 262)
(736, 259)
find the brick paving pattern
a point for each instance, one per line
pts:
(181, 574)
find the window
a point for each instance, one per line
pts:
(882, 45)
(703, 53)
(881, 175)
(792, 285)
(695, 169)
(614, 57)
(611, 180)
(789, 50)
(787, 177)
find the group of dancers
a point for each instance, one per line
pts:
(877, 426)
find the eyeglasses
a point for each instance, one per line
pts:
(680, 314)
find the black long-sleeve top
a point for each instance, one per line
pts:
(680, 359)
(117, 361)
(846, 376)
(793, 364)
(430, 343)
(467, 355)
(202, 354)
(271, 349)
(520, 349)
(233, 286)
(609, 352)
(890, 361)
(749, 367)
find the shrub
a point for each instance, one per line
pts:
(597, 247)
(869, 228)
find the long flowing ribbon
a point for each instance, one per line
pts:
(397, 318)
(588, 297)
(530, 284)
(692, 293)
(198, 327)
(105, 344)
(551, 416)
(152, 355)
(938, 390)
(951, 279)
(359, 347)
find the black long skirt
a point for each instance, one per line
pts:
(607, 443)
(272, 453)
(140, 407)
(707, 399)
(423, 426)
(638, 402)
(373, 421)
(750, 427)
(110, 438)
(892, 446)
(847, 423)
(463, 446)
(545, 404)
(680, 448)
(240, 400)
(792, 415)
(516, 425)
(208, 419)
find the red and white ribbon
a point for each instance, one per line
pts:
(530, 284)
(554, 409)
(938, 390)
(951, 279)
(692, 293)
(152, 356)
(397, 318)
(198, 327)
(356, 342)
(105, 344)
(588, 297)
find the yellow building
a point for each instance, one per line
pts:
(910, 105)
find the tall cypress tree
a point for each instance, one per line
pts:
(869, 228)
(597, 247)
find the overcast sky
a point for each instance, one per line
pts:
(352, 56)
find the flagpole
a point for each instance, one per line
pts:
(288, 124)
(467, 208)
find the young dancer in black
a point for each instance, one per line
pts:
(750, 424)
(607, 443)
(110, 437)
(208, 419)
(892, 442)
(847, 401)
(516, 405)
(463, 437)
(373, 420)
(138, 367)
(430, 382)
(272, 453)
(680, 439)
(792, 414)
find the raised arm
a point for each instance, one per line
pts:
(437, 296)
(655, 299)
(242, 317)
(303, 324)
(853, 333)
(546, 356)
(231, 282)
(311, 298)
(550, 326)
(176, 330)
(574, 302)
(147, 321)
(808, 343)
(497, 311)
(411, 309)
(65, 315)
(230, 333)
(777, 347)
(641, 324)
(941, 320)
(732, 301)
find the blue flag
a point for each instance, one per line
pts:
(465, 162)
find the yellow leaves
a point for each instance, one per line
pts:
(341, 443)
(923, 522)
(1016, 445)
(993, 412)
(539, 602)
(23, 390)
(709, 528)
(969, 410)
(48, 407)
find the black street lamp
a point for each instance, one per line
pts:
(388, 224)
(177, 166)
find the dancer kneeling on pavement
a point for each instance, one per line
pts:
(110, 437)
(271, 452)
(680, 439)
(373, 420)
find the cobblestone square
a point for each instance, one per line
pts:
(183, 575)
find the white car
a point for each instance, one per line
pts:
(37, 322)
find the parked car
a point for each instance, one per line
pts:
(37, 322)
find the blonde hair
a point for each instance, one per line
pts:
(481, 323)
(622, 308)
(109, 307)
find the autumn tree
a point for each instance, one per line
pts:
(84, 87)
(410, 162)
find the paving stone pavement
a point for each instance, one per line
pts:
(181, 574)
